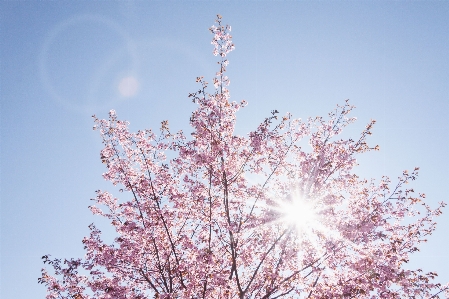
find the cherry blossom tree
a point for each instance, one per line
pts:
(278, 213)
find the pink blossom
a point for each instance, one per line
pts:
(279, 213)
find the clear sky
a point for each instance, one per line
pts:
(63, 61)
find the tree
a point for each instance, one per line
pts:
(247, 217)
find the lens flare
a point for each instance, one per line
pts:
(128, 87)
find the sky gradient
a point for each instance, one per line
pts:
(62, 62)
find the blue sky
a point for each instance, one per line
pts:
(63, 61)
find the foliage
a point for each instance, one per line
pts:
(247, 217)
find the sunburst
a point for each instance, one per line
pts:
(298, 212)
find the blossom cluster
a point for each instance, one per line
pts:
(210, 222)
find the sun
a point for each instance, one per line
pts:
(308, 218)
(299, 213)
